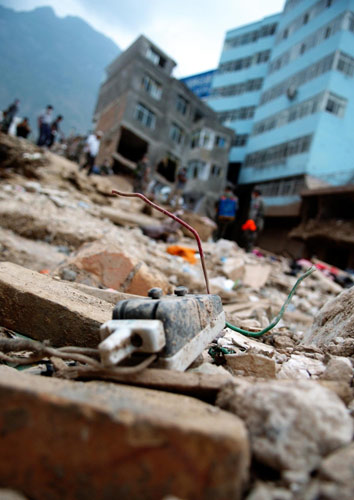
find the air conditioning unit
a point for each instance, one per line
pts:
(291, 92)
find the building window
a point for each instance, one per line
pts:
(245, 62)
(195, 139)
(232, 115)
(240, 140)
(279, 153)
(336, 105)
(145, 116)
(238, 88)
(152, 87)
(283, 187)
(155, 57)
(197, 170)
(181, 105)
(216, 171)
(315, 10)
(250, 37)
(341, 22)
(345, 64)
(176, 133)
(262, 56)
(351, 23)
(300, 78)
(220, 142)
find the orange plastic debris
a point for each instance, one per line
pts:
(186, 253)
(249, 225)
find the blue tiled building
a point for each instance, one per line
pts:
(295, 126)
(237, 84)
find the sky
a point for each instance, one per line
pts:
(189, 31)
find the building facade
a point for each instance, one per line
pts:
(142, 109)
(300, 134)
(238, 82)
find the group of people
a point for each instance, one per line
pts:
(226, 213)
(226, 207)
(48, 128)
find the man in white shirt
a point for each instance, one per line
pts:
(44, 125)
(91, 149)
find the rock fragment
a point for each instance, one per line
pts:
(340, 369)
(113, 267)
(292, 424)
(47, 309)
(339, 467)
(101, 440)
(335, 319)
(251, 365)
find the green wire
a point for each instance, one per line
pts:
(279, 316)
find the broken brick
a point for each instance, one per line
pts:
(114, 268)
(100, 440)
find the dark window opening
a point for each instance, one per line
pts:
(198, 115)
(181, 104)
(131, 147)
(167, 167)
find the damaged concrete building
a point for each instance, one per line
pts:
(142, 109)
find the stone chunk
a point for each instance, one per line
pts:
(256, 275)
(234, 268)
(292, 424)
(335, 319)
(115, 268)
(99, 440)
(339, 466)
(203, 225)
(44, 308)
(299, 366)
(252, 365)
(339, 368)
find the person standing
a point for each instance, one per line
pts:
(23, 129)
(256, 212)
(54, 130)
(255, 215)
(142, 174)
(226, 209)
(178, 188)
(9, 114)
(91, 149)
(44, 126)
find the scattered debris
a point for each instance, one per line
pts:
(69, 252)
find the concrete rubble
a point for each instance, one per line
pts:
(69, 252)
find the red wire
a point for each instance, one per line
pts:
(177, 219)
